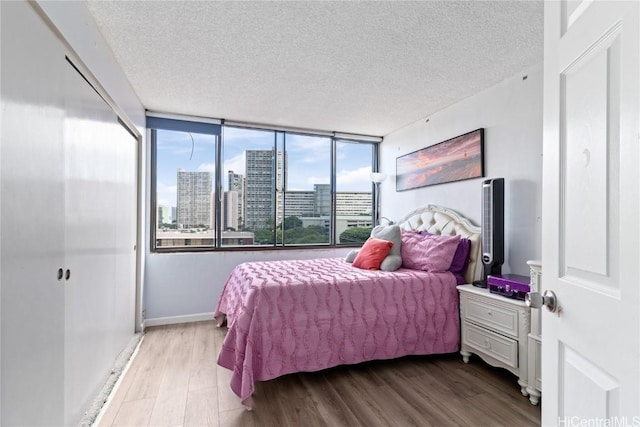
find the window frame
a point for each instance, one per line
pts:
(334, 139)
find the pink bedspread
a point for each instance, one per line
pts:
(308, 315)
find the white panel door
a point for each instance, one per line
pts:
(591, 244)
(90, 239)
(100, 206)
(32, 219)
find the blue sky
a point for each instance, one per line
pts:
(308, 159)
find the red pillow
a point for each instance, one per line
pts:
(372, 253)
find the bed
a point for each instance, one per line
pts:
(308, 315)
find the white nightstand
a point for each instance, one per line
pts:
(496, 329)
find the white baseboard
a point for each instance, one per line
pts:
(198, 317)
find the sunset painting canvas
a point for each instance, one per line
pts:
(455, 159)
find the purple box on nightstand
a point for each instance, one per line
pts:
(509, 285)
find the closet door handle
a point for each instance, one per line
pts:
(60, 273)
(67, 275)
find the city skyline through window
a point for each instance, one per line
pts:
(276, 189)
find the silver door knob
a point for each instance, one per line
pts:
(548, 299)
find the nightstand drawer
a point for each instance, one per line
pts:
(491, 344)
(488, 313)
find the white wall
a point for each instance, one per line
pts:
(511, 114)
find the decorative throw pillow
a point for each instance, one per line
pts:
(428, 252)
(372, 253)
(393, 261)
(460, 258)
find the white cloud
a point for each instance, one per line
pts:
(354, 180)
(347, 180)
(167, 194)
(317, 180)
(236, 164)
(312, 149)
(206, 167)
(302, 179)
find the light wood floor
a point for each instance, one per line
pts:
(174, 380)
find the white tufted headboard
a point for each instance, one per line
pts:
(439, 220)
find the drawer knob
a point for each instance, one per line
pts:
(489, 313)
(487, 344)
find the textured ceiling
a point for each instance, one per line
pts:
(356, 67)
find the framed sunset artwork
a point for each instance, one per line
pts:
(455, 159)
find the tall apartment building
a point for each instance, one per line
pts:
(237, 183)
(260, 201)
(194, 199)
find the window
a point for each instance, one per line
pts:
(306, 191)
(232, 187)
(250, 172)
(184, 156)
(354, 201)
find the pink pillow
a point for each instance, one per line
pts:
(428, 252)
(460, 259)
(372, 253)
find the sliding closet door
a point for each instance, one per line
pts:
(99, 211)
(32, 219)
(125, 231)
